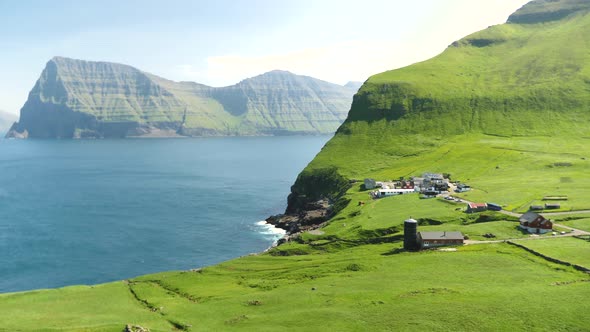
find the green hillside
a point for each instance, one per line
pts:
(77, 99)
(508, 81)
(505, 110)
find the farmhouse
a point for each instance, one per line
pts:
(533, 222)
(433, 178)
(431, 181)
(476, 207)
(439, 239)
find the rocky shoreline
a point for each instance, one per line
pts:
(312, 216)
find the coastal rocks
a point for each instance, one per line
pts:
(13, 133)
(310, 217)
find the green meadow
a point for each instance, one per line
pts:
(581, 221)
(569, 249)
(358, 287)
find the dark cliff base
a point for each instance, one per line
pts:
(311, 216)
(316, 196)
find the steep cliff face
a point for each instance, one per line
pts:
(279, 102)
(513, 79)
(77, 99)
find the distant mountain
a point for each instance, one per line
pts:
(6, 120)
(354, 85)
(78, 99)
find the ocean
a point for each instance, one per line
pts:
(93, 211)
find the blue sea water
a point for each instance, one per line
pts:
(93, 211)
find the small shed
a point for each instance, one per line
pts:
(533, 222)
(461, 188)
(476, 207)
(552, 206)
(439, 239)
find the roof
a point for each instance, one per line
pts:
(477, 205)
(441, 235)
(530, 216)
(396, 190)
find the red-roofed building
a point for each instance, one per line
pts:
(476, 207)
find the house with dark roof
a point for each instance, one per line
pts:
(533, 222)
(439, 239)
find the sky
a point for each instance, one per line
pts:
(221, 42)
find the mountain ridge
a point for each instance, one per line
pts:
(93, 99)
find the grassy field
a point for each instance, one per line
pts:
(513, 172)
(351, 290)
(576, 221)
(569, 249)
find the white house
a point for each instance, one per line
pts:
(392, 192)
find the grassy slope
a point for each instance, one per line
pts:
(580, 222)
(490, 115)
(471, 112)
(572, 250)
(350, 290)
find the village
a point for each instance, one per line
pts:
(431, 185)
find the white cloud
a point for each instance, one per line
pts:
(399, 42)
(338, 63)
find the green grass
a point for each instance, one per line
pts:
(569, 249)
(107, 307)
(576, 221)
(384, 291)
(515, 172)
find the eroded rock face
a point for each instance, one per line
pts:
(310, 217)
(85, 99)
(548, 10)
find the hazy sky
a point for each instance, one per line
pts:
(221, 42)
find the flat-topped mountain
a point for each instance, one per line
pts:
(77, 99)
